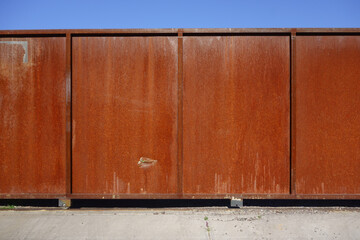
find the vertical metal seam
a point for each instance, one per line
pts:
(180, 156)
(292, 114)
(68, 115)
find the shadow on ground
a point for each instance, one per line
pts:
(177, 203)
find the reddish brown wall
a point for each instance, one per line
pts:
(328, 115)
(173, 113)
(236, 114)
(32, 119)
(124, 108)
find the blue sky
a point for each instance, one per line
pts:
(73, 14)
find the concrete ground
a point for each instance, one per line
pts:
(189, 223)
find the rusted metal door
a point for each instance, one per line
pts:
(124, 115)
(327, 113)
(32, 119)
(236, 114)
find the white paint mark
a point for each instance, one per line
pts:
(242, 181)
(173, 43)
(24, 44)
(145, 162)
(117, 184)
(221, 186)
(114, 182)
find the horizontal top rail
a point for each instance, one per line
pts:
(176, 30)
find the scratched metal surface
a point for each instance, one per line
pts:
(32, 115)
(328, 114)
(124, 115)
(236, 114)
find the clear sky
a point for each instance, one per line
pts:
(77, 14)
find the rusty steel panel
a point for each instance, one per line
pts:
(236, 114)
(32, 115)
(327, 109)
(124, 115)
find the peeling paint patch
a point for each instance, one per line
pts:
(24, 44)
(145, 162)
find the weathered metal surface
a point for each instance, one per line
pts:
(327, 115)
(32, 115)
(186, 31)
(180, 113)
(236, 114)
(292, 112)
(124, 115)
(136, 99)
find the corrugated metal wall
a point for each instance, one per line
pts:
(173, 113)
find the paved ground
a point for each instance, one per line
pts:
(193, 223)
